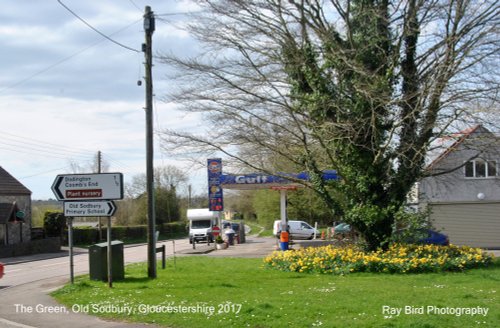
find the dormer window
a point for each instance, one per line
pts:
(479, 168)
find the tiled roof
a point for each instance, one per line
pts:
(10, 186)
(441, 147)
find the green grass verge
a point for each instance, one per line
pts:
(258, 230)
(244, 294)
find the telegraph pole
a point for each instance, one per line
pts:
(149, 27)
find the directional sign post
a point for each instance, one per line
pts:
(89, 195)
(90, 208)
(103, 186)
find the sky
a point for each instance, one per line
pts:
(66, 92)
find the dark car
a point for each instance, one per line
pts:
(423, 236)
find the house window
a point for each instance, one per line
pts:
(480, 168)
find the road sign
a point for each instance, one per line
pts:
(103, 186)
(91, 208)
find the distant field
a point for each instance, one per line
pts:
(241, 293)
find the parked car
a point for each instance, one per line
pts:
(1, 270)
(424, 236)
(297, 229)
(342, 228)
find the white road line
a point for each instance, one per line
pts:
(15, 324)
(47, 265)
(10, 271)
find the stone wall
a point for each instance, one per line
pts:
(47, 245)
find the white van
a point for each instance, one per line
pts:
(297, 229)
(201, 221)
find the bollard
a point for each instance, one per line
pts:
(161, 250)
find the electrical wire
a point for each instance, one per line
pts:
(178, 13)
(42, 144)
(96, 30)
(43, 173)
(16, 84)
(18, 144)
(135, 5)
(114, 162)
(48, 68)
(36, 152)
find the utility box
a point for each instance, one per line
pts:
(98, 261)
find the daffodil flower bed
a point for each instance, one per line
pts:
(398, 258)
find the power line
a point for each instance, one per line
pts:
(115, 162)
(42, 144)
(47, 68)
(41, 150)
(35, 152)
(135, 5)
(96, 30)
(178, 13)
(43, 173)
(62, 60)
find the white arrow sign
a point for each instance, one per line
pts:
(93, 208)
(102, 186)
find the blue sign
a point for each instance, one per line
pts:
(215, 195)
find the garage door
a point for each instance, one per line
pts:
(476, 225)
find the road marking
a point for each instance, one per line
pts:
(47, 265)
(15, 324)
(10, 271)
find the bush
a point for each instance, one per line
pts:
(90, 235)
(172, 228)
(85, 235)
(398, 258)
(54, 224)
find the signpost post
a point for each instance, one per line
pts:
(89, 195)
(70, 245)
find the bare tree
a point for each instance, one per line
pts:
(165, 177)
(90, 166)
(360, 86)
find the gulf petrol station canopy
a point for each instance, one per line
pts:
(265, 181)
(218, 181)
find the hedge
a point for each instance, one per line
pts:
(90, 235)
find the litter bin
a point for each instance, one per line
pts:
(98, 261)
(230, 236)
(284, 239)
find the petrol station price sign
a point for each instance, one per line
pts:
(215, 195)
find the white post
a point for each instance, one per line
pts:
(283, 209)
(315, 229)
